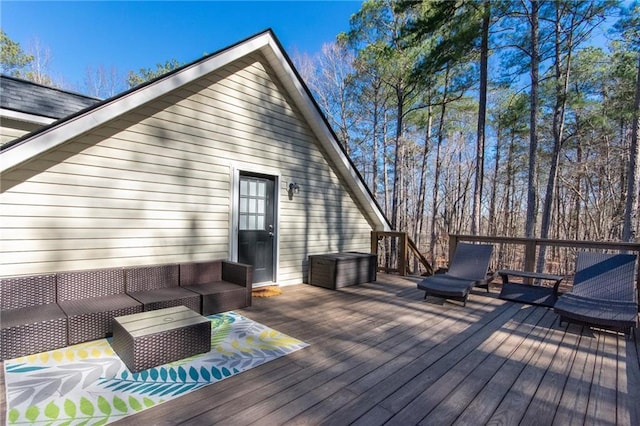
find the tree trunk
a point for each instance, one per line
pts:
(482, 115)
(436, 179)
(375, 144)
(632, 206)
(532, 204)
(423, 179)
(385, 168)
(496, 170)
(561, 90)
(398, 165)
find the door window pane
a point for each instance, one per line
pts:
(253, 194)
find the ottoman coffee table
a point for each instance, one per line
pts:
(153, 338)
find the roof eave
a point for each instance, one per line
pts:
(66, 129)
(75, 125)
(26, 117)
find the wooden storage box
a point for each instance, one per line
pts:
(337, 270)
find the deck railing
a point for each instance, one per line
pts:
(403, 245)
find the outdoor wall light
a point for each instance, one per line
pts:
(294, 188)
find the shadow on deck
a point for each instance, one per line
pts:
(379, 354)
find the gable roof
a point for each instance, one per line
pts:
(28, 101)
(29, 146)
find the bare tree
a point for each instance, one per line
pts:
(103, 82)
(39, 70)
(327, 74)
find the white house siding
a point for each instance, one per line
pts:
(153, 186)
(13, 129)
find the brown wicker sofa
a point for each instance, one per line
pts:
(45, 312)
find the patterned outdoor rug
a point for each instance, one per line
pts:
(89, 384)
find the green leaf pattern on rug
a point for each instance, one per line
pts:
(32, 413)
(86, 407)
(70, 409)
(51, 410)
(82, 389)
(87, 410)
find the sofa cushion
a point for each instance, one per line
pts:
(167, 297)
(31, 315)
(220, 296)
(97, 304)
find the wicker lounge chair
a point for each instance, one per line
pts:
(157, 287)
(603, 294)
(32, 322)
(91, 299)
(467, 269)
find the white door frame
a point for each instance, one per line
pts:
(236, 170)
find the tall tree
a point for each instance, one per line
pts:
(145, 74)
(630, 27)
(631, 214)
(573, 23)
(375, 34)
(482, 116)
(532, 181)
(455, 29)
(13, 60)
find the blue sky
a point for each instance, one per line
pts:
(130, 35)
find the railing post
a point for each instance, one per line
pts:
(402, 262)
(374, 242)
(453, 242)
(530, 257)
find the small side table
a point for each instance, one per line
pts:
(148, 339)
(529, 293)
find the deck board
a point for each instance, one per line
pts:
(433, 384)
(575, 398)
(380, 354)
(550, 388)
(631, 353)
(471, 387)
(493, 393)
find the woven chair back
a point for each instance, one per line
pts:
(471, 261)
(200, 273)
(605, 276)
(145, 278)
(27, 291)
(87, 284)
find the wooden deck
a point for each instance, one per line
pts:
(379, 354)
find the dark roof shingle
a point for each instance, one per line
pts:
(31, 98)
